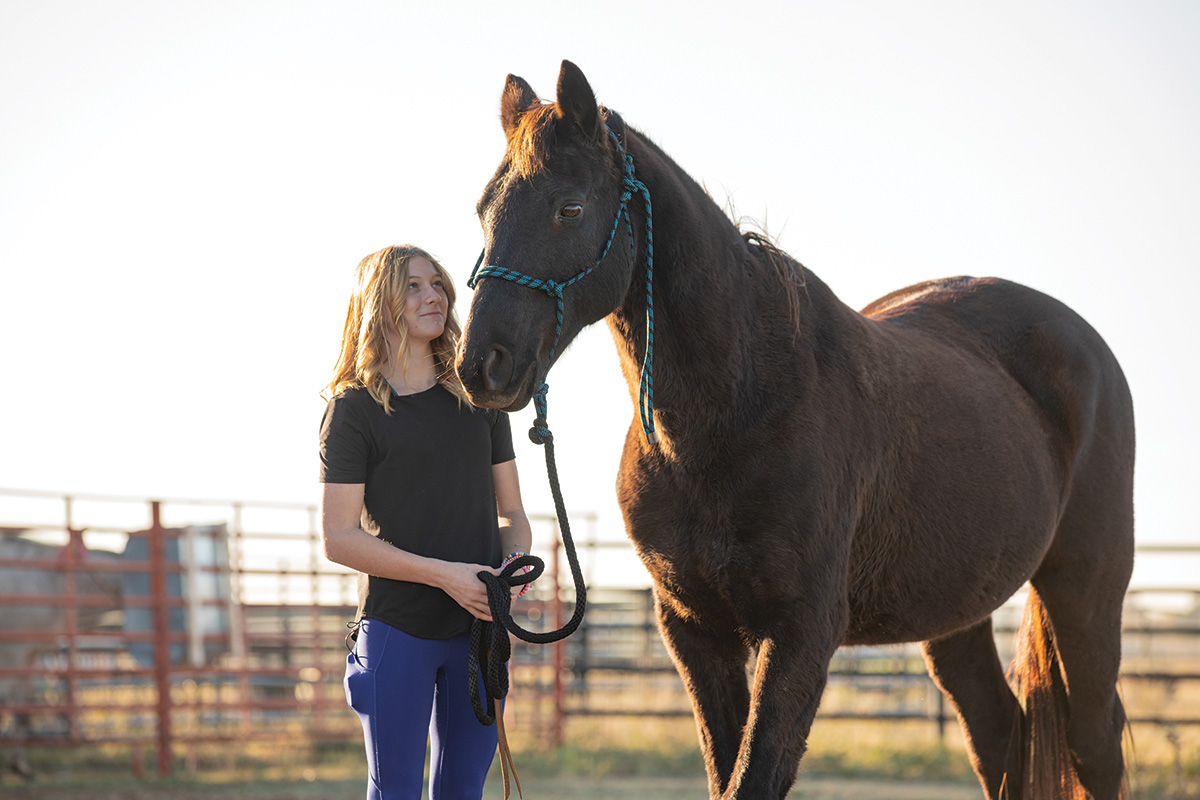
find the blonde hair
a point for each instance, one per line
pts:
(381, 286)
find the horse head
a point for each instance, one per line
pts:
(553, 260)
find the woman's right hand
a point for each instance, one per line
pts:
(461, 582)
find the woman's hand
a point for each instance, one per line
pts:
(461, 582)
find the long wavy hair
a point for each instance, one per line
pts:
(381, 287)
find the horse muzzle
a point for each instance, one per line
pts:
(493, 380)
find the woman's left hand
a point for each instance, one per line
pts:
(461, 582)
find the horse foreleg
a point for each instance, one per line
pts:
(20, 758)
(713, 669)
(789, 679)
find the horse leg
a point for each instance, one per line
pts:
(20, 758)
(713, 669)
(967, 668)
(1081, 582)
(804, 630)
(17, 691)
(1087, 632)
(789, 678)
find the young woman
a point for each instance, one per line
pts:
(419, 493)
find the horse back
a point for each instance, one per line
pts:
(996, 405)
(1060, 362)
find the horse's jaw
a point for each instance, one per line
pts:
(504, 403)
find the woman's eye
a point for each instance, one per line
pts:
(570, 210)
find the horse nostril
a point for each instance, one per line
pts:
(497, 369)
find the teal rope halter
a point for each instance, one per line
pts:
(540, 432)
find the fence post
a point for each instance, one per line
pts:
(941, 717)
(162, 633)
(239, 638)
(71, 555)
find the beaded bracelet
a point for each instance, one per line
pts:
(513, 556)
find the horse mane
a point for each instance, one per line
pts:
(788, 271)
(529, 147)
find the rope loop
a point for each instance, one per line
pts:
(490, 646)
(489, 643)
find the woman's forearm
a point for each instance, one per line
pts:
(360, 551)
(355, 548)
(515, 533)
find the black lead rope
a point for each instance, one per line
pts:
(490, 644)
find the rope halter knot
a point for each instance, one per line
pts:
(540, 432)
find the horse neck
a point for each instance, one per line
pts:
(727, 339)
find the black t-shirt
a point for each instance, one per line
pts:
(428, 474)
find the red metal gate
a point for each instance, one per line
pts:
(271, 669)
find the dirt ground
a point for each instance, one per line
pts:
(807, 788)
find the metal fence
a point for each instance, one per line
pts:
(165, 625)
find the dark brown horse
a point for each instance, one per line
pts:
(822, 476)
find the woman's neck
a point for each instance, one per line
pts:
(421, 372)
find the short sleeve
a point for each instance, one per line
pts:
(344, 443)
(502, 446)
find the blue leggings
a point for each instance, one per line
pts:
(401, 686)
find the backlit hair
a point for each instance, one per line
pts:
(531, 141)
(381, 289)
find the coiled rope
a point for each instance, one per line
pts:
(489, 643)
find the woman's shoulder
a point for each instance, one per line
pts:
(353, 402)
(351, 395)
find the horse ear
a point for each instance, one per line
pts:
(518, 98)
(577, 101)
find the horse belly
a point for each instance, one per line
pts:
(916, 609)
(936, 595)
(962, 523)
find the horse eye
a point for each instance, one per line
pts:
(570, 210)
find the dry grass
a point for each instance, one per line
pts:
(604, 758)
(625, 754)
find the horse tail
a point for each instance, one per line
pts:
(1045, 757)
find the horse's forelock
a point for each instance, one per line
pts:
(530, 143)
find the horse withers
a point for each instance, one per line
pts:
(813, 476)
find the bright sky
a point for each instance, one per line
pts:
(185, 189)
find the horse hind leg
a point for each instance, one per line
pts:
(967, 669)
(1085, 620)
(20, 757)
(1081, 582)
